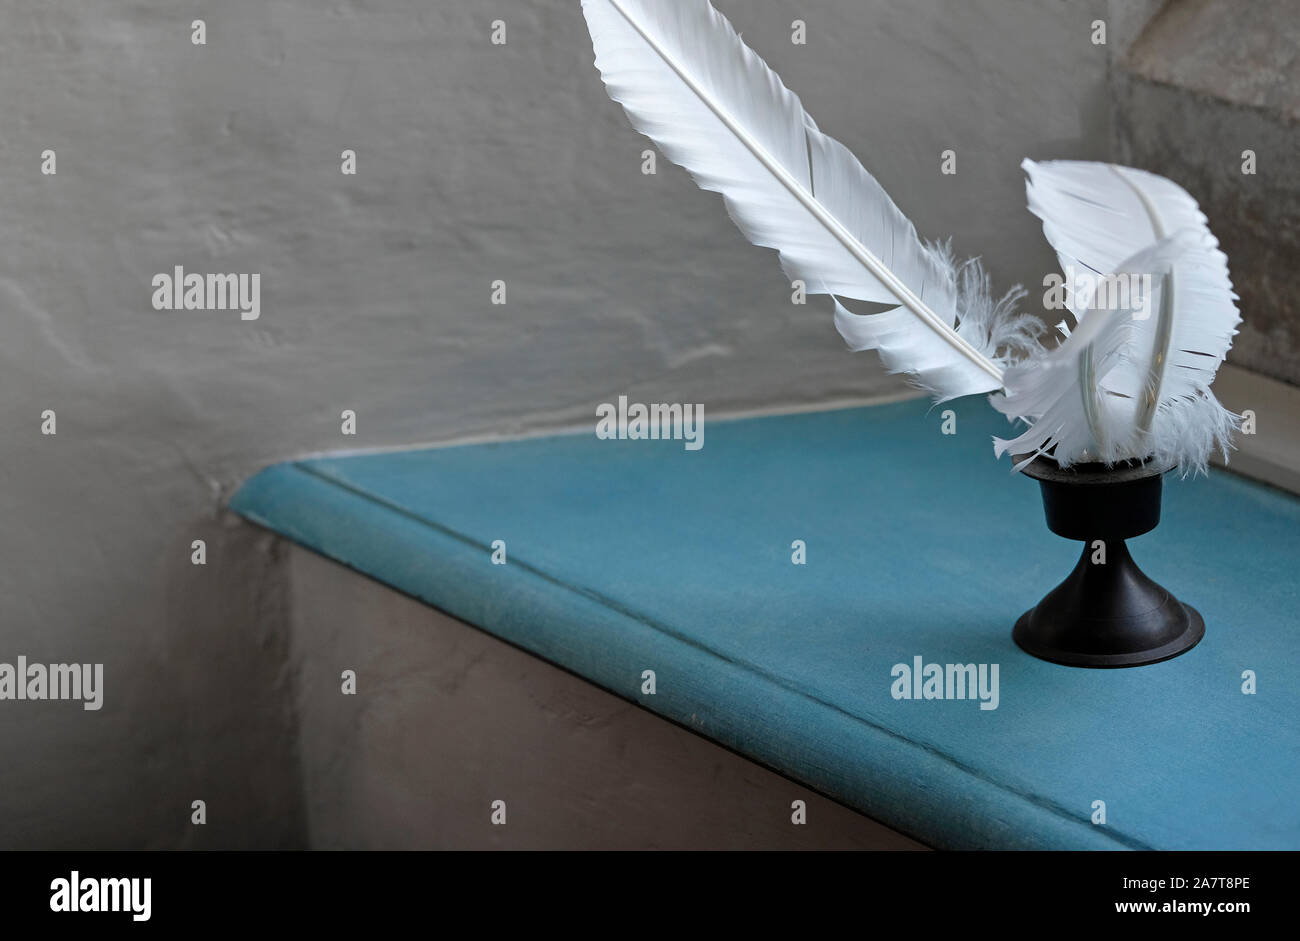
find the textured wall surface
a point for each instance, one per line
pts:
(476, 162)
(1207, 82)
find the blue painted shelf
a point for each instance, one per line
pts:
(624, 556)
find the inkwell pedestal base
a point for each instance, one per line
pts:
(1107, 613)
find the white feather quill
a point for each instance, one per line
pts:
(1096, 214)
(1155, 398)
(688, 82)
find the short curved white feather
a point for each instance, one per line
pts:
(1095, 215)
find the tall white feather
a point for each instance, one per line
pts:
(1096, 214)
(688, 82)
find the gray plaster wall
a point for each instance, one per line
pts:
(476, 162)
(1207, 82)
